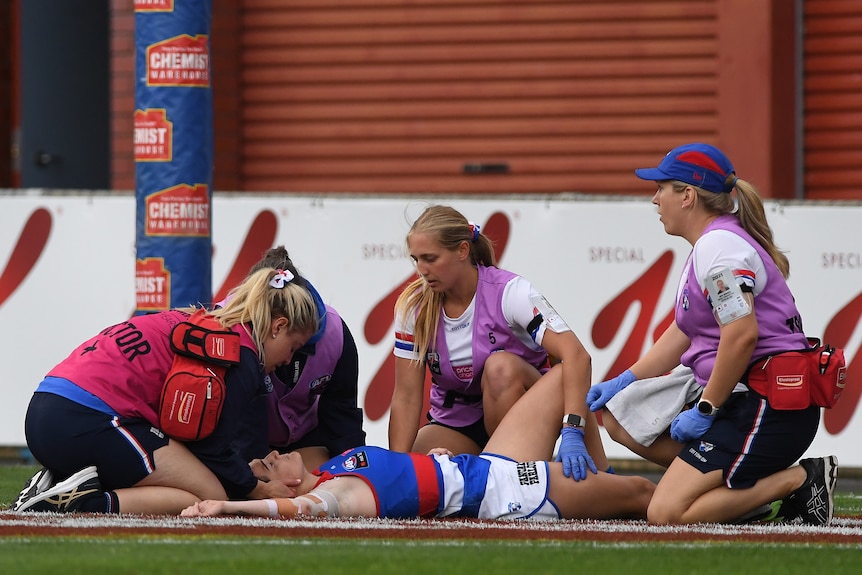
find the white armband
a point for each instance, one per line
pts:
(552, 319)
(273, 507)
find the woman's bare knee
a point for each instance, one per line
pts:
(505, 373)
(661, 515)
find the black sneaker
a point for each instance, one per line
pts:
(812, 502)
(37, 484)
(67, 495)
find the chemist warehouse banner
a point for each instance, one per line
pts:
(173, 153)
(605, 264)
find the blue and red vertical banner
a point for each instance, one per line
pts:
(173, 153)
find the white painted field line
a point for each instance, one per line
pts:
(840, 526)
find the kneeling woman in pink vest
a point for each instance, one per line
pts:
(93, 421)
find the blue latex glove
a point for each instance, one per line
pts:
(601, 393)
(573, 453)
(690, 424)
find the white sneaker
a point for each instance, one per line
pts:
(67, 495)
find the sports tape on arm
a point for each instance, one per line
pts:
(319, 503)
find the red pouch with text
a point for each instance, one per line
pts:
(193, 394)
(798, 379)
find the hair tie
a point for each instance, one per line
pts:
(732, 184)
(281, 278)
(475, 229)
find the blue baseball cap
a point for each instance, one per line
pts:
(697, 164)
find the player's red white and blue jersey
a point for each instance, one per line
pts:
(409, 485)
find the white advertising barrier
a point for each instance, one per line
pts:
(605, 264)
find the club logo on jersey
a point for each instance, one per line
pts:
(514, 506)
(705, 447)
(358, 460)
(527, 473)
(318, 386)
(433, 361)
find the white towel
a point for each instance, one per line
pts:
(647, 407)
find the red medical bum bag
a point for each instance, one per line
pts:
(800, 378)
(194, 391)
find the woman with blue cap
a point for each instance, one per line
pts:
(729, 452)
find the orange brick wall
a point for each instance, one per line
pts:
(750, 108)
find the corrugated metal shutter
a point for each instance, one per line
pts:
(377, 96)
(833, 99)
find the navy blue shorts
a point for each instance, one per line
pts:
(66, 437)
(749, 440)
(475, 431)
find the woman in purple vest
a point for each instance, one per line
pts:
(485, 335)
(93, 421)
(730, 453)
(313, 405)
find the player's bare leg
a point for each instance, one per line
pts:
(530, 429)
(600, 496)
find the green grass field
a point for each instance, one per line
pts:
(204, 555)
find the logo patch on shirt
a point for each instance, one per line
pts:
(358, 460)
(318, 386)
(463, 372)
(705, 447)
(433, 361)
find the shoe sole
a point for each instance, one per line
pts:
(38, 483)
(69, 484)
(756, 515)
(830, 471)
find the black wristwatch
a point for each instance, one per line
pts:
(574, 420)
(705, 407)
